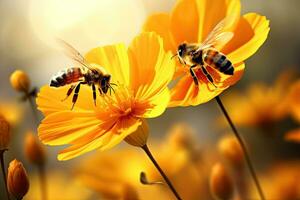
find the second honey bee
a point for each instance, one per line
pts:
(208, 53)
(86, 74)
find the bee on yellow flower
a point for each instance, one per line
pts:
(188, 26)
(142, 73)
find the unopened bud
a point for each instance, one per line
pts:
(20, 81)
(129, 193)
(232, 151)
(34, 150)
(4, 133)
(17, 180)
(182, 135)
(220, 183)
(140, 136)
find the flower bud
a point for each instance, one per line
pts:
(231, 150)
(140, 136)
(220, 183)
(34, 151)
(17, 180)
(20, 81)
(4, 133)
(182, 135)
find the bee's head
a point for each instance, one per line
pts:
(181, 51)
(105, 83)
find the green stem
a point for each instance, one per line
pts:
(149, 154)
(240, 140)
(4, 172)
(43, 182)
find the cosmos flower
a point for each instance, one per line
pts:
(281, 181)
(294, 104)
(191, 21)
(173, 154)
(261, 105)
(60, 186)
(142, 73)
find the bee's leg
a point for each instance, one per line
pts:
(194, 74)
(210, 79)
(75, 96)
(100, 90)
(94, 93)
(69, 92)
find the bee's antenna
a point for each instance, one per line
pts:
(174, 56)
(111, 88)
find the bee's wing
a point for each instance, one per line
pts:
(218, 37)
(74, 54)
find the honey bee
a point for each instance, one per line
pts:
(85, 74)
(208, 53)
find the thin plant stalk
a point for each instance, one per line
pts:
(240, 140)
(172, 188)
(4, 172)
(42, 176)
(32, 106)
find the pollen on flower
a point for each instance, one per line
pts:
(123, 104)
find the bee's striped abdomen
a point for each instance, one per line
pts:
(219, 61)
(66, 77)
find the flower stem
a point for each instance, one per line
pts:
(33, 108)
(3, 171)
(149, 154)
(43, 182)
(240, 140)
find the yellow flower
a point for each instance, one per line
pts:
(142, 73)
(281, 181)
(261, 105)
(127, 165)
(294, 104)
(11, 112)
(60, 186)
(191, 21)
(294, 100)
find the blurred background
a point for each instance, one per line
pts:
(27, 33)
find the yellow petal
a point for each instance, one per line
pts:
(212, 12)
(61, 128)
(160, 23)
(114, 59)
(250, 34)
(185, 21)
(185, 93)
(49, 99)
(151, 68)
(104, 142)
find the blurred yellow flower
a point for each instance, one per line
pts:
(173, 155)
(294, 104)
(281, 181)
(191, 21)
(11, 112)
(142, 73)
(261, 105)
(61, 186)
(294, 100)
